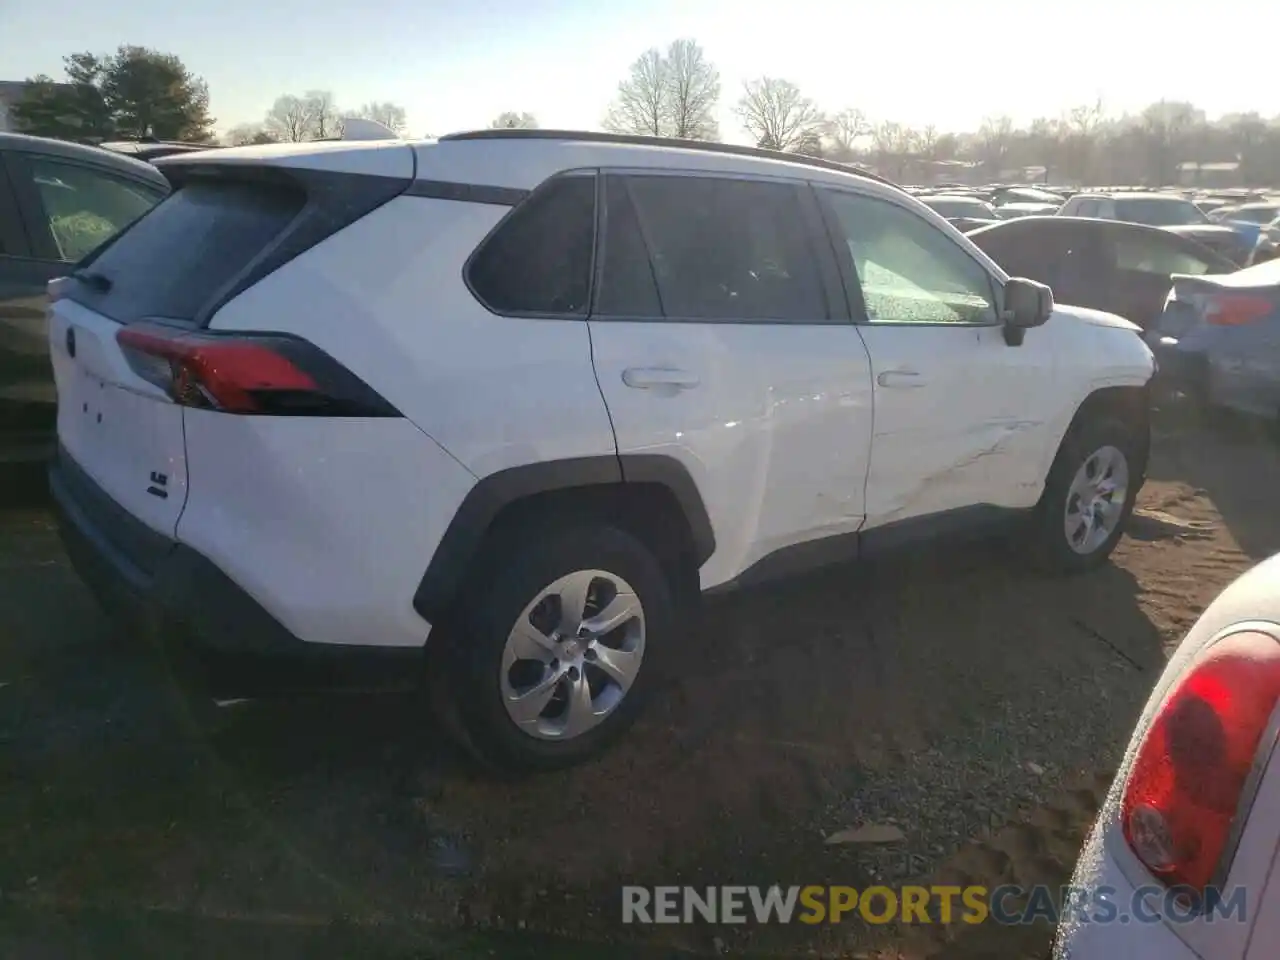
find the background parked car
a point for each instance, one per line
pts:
(1164, 210)
(1218, 339)
(962, 211)
(1122, 268)
(1012, 211)
(151, 149)
(58, 202)
(1193, 805)
(1006, 195)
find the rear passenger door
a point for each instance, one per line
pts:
(721, 337)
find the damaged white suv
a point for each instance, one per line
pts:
(515, 397)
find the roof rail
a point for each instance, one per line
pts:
(709, 146)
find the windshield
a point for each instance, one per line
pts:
(1160, 211)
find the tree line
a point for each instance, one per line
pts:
(676, 92)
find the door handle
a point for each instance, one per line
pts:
(645, 378)
(901, 379)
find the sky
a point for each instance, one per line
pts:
(455, 65)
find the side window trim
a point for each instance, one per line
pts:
(853, 283)
(506, 218)
(14, 242)
(810, 219)
(40, 242)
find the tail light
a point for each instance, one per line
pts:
(1194, 772)
(1235, 309)
(265, 374)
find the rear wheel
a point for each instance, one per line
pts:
(559, 636)
(1088, 496)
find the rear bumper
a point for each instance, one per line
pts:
(151, 582)
(1178, 368)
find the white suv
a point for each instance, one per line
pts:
(518, 396)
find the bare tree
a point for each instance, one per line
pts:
(640, 106)
(511, 120)
(925, 142)
(309, 117)
(845, 129)
(671, 94)
(390, 115)
(947, 147)
(692, 91)
(1085, 119)
(776, 114)
(328, 121)
(1166, 128)
(248, 133)
(891, 143)
(290, 119)
(995, 136)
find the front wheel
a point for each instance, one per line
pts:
(1088, 496)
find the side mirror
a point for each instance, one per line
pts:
(1026, 304)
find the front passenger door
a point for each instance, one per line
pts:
(959, 414)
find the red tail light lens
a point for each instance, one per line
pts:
(1234, 309)
(1188, 781)
(265, 374)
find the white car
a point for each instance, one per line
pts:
(519, 396)
(1181, 862)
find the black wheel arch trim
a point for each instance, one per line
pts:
(461, 542)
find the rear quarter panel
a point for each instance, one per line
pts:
(386, 298)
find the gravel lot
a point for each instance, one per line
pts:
(975, 706)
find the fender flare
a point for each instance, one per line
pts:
(474, 517)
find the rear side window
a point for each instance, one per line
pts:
(719, 250)
(83, 208)
(538, 261)
(1155, 256)
(178, 257)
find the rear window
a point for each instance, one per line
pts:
(177, 258)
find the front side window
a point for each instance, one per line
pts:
(910, 271)
(710, 249)
(84, 208)
(538, 260)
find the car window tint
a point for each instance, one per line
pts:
(1155, 256)
(628, 287)
(727, 249)
(539, 259)
(173, 261)
(84, 207)
(910, 272)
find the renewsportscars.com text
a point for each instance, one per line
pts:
(1011, 905)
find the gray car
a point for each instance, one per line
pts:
(58, 202)
(1218, 339)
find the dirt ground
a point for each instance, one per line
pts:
(977, 707)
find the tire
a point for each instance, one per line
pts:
(528, 563)
(1112, 446)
